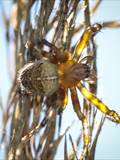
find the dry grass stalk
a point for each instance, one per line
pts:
(31, 136)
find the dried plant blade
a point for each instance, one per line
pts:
(59, 123)
(38, 127)
(73, 147)
(65, 149)
(96, 6)
(93, 148)
(56, 143)
(111, 24)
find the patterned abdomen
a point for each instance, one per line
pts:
(40, 77)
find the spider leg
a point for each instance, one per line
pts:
(76, 104)
(81, 116)
(62, 99)
(58, 55)
(50, 45)
(98, 103)
(65, 101)
(86, 36)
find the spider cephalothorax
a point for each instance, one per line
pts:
(47, 77)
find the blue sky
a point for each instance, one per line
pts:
(108, 58)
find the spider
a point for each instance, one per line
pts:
(52, 76)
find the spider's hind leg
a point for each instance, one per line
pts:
(62, 99)
(81, 116)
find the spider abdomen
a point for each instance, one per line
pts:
(39, 77)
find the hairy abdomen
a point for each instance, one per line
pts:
(40, 77)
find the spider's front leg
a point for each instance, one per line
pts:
(88, 33)
(57, 56)
(98, 103)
